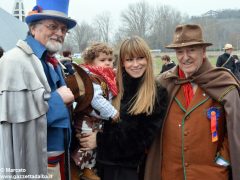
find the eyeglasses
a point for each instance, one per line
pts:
(55, 28)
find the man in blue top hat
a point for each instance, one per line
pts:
(33, 97)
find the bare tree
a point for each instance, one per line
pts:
(81, 36)
(103, 23)
(136, 20)
(164, 22)
(68, 44)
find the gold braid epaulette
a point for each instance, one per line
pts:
(226, 92)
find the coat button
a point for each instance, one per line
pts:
(186, 133)
(186, 164)
(185, 148)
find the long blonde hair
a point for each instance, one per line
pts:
(144, 100)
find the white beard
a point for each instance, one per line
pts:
(53, 47)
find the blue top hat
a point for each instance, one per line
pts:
(51, 9)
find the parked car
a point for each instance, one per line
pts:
(77, 55)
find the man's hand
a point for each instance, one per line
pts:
(66, 94)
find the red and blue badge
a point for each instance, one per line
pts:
(213, 114)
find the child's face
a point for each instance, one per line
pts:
(164, 61)
(103, 60)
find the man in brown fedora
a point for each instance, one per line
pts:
(35, 123)
(200, 138)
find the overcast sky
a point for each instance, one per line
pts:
(88, 9)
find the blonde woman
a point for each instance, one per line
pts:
(122, 146)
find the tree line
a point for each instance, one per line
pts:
(156, 25)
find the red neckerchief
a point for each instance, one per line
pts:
(52, 60)
(107, 74)
(187, 88)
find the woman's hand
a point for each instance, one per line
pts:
(115, 118)
(88, 141)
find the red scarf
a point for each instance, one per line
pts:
(52, 60)
(187, 88)
(107, 74)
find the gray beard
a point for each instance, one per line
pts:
(53, 47)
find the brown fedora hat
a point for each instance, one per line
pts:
(187, 35)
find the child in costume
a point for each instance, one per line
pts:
(98, 63)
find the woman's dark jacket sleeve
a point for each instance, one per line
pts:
(126, 142)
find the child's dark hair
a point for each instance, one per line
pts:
(66, 53)
(166, 57)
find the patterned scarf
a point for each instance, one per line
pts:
(187, 88)
(107, 74)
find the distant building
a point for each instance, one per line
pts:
(210, 13)
(18, 10)
(12, 30)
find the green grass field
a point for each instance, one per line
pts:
(78, 61)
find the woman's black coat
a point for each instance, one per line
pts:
(125, 144)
